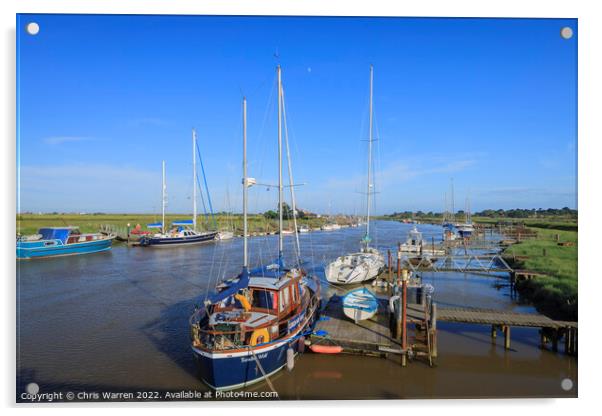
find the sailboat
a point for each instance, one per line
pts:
(466, 229)
(252, 325)
(369, 262)
(182, 232)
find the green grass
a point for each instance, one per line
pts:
(556, 294)
(30, 223)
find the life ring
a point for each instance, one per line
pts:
(244, 302)
(259, 336)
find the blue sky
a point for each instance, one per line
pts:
(102, 100)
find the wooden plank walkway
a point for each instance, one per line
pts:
(368, 337)
(490, 317)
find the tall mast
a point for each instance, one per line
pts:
(453, 208)
(194, 179)
(367, 238)
(163, 200)
(245, 261)
(280, 239)
(291, 182)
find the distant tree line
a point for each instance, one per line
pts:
(496, 213)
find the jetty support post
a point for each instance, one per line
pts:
(404, 300)
(506, 330)
(390, 276)
(398, 317)
(434, 329)
(493, 333)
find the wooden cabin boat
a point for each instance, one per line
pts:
(252, 325)
(242, 335)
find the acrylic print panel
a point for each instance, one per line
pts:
(429, 161)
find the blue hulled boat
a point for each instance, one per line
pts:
(254, 323)
(61, 241)
(243, 333)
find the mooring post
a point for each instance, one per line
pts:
(390, 265)
(434, 328)
(404, 302)
(493, 333)
(399, 314)
(506, 337)
(128, 233)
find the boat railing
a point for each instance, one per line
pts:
(239, 338)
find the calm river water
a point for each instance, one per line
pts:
(118, 322)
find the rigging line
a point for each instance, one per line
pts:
(292, 185)
(202, 200)
(206, 186)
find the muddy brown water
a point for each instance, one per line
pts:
(118, 322)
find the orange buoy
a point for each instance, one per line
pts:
(326, 349)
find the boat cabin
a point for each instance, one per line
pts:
(268, 308)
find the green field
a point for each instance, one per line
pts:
(30, 223)
(556, 294)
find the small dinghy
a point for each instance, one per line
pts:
(360, 304)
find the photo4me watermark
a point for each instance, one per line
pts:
(32, 394)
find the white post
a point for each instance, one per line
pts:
(245, 262)
(280, 239)
(194, 179)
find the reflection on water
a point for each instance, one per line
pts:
(118, 321)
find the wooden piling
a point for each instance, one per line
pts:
(434, 329)
(555, 340)
(506, 329)
(493, 333)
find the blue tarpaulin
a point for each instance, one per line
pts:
(55, 234)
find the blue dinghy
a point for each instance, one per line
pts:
(360, 304)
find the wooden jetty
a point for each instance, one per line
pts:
(382, 335)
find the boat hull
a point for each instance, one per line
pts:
(177, 241)
(29, 251)
(341, 272)
(223, 371)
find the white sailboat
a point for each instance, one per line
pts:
(368, 263)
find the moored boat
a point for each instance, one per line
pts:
(61, 241)
(369, 262)
(360, 304)
(254, 323)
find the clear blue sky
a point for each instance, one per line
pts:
(103, 99)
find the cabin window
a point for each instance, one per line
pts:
(284, 298)
(263, 299)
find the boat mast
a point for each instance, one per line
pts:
(194, 179)
(163, 200)
(280, 239)
(367, 238)
(245, 261)
(453, 208)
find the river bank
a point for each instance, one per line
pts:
(553, 253)
(29, 223)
